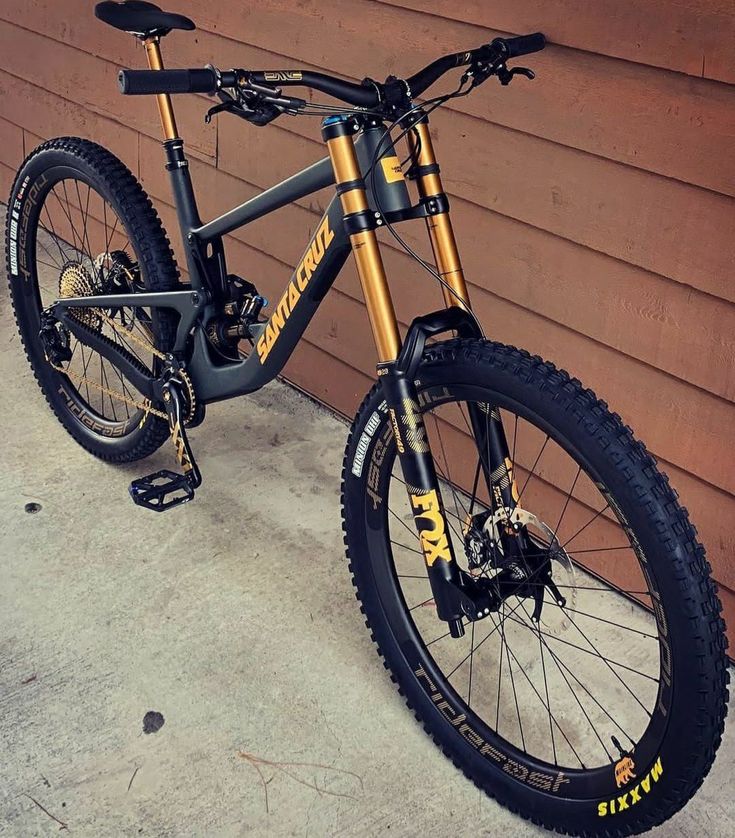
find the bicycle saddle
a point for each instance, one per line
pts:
(140, 18)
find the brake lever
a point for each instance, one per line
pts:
(215, 109)
(505, 76)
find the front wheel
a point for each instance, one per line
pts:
(602, 714)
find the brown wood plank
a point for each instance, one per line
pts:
(7, 176)
(11, 145)
(690, 335)
(659, 121)
(93, 83)
(654, 223)
(45, 113)
(693, 37)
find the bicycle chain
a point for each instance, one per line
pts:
(144, 405)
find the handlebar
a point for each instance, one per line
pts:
(366, 95)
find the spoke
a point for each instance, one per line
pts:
(500, 674)
(85, 235)
(437, 639)
(107, 384)
(406, 547)
(513, 450)
(446, 461)
(567, 610)
(590, 652)
(599, 550)
(475, 484)
(546, 689)
(492, 631)
(472, 647)
(79, 249)
(54, 235)
(525, 625)
(104, 216)
(604, 590)
(531, 473)
(398, 518)
(605, 661)
(571, 689)
(85, 361)
(538, 695)
(582, 529)
(513, 685)
(428, 601)
(566, 503)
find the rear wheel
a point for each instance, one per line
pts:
(603, 715)
(80, 224)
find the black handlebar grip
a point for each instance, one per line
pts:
(524, 44)
(141, 82)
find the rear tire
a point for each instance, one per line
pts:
(687, 722)
(74, 161)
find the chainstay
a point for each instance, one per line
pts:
(144, 405)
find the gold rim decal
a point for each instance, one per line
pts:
(296, 287)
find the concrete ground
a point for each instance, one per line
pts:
(233, 618)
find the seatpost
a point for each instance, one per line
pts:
(178, 169)
(165, 108)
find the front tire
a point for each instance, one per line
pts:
(662, 766)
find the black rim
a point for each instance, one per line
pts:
(71, 228)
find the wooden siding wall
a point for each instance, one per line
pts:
(594, 206)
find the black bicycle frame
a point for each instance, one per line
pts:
(320, 265)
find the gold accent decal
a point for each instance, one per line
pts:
(624, 771)
(633, 795)
(392, 171)
(282, 75)
(433, 537)
(296, 287)
(396, 431)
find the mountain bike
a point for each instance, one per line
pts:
(526, 571)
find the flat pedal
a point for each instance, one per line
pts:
(161, 490)
(165, 489)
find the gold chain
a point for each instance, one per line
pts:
(145, 405)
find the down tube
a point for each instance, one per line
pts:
(290, 315)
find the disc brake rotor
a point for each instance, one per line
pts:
(553, 619)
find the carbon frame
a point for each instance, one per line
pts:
(290, 315)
